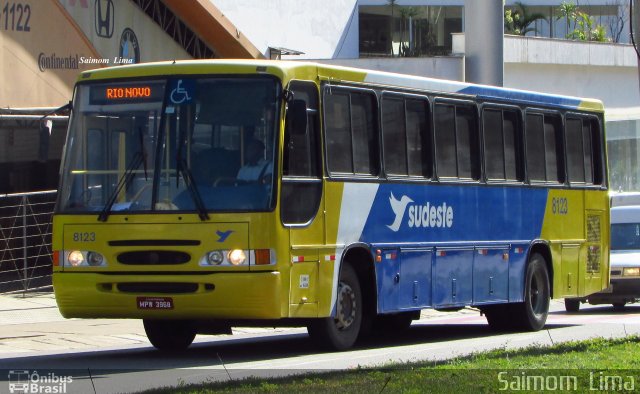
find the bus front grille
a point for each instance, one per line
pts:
(153, 257)
(157, 287)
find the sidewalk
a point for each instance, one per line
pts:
(22, 308)
(31, 322)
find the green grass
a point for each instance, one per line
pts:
(597, 365)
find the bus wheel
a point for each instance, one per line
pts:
(170, 335)
(571, 305)
(340, 332)
(531, 315)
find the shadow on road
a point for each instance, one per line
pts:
(218, 353)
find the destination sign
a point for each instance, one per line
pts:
(126, 93)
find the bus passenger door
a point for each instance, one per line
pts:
(300, 198)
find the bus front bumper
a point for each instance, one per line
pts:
(250, 295)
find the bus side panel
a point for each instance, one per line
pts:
(404, 278)
(575, 224)
(596, 270)
(496, 223)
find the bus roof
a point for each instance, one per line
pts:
(339, 74)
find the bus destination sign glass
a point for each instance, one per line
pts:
(126, 93)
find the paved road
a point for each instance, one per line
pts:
(108, 356)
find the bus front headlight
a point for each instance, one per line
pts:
(215, 258)
(75, 258)
(83, 258)
(237, 257)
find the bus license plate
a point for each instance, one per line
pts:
(155, 303)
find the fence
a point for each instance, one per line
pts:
(25, 241)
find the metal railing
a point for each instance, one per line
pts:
(25, 241)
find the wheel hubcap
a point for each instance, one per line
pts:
(537, 299)
(346, 312)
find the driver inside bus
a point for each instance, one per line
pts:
(255, 167)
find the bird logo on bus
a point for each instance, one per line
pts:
(427, 215)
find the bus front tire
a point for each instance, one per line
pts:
(170, 335)
(531, 315)
(340, 332)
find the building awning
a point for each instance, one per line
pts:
(210, 24)
(275, 53)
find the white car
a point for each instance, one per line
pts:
(624, 259)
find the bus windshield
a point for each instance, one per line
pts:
(188, 144)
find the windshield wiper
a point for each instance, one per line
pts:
(183, 169)
(181, 166)
(140, 157)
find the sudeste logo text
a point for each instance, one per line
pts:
(427, 215)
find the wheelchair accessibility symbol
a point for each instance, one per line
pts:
(182, 94)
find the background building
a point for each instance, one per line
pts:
(419, 37)
(48, 42)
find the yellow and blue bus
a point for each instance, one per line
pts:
(203, 195)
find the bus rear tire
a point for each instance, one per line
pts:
(170, 335)
(531, 315)
(340, 332)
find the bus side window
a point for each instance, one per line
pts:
(394, 135)
(576, 152)
(337, 122)
(456, 132)
(593, 142)
(351, 132)
(501, 158)
(405, 136)
(544, 148)
(583, 153)
(418, 138)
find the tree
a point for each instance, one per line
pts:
(617, 23)
(518, 20)
(406, 16)
(568, 11)
(580, 25)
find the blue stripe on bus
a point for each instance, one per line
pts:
(522, 96)
(449, 246)
(476, 213)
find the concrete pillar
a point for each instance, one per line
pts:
(636, 25)
(484, 37)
